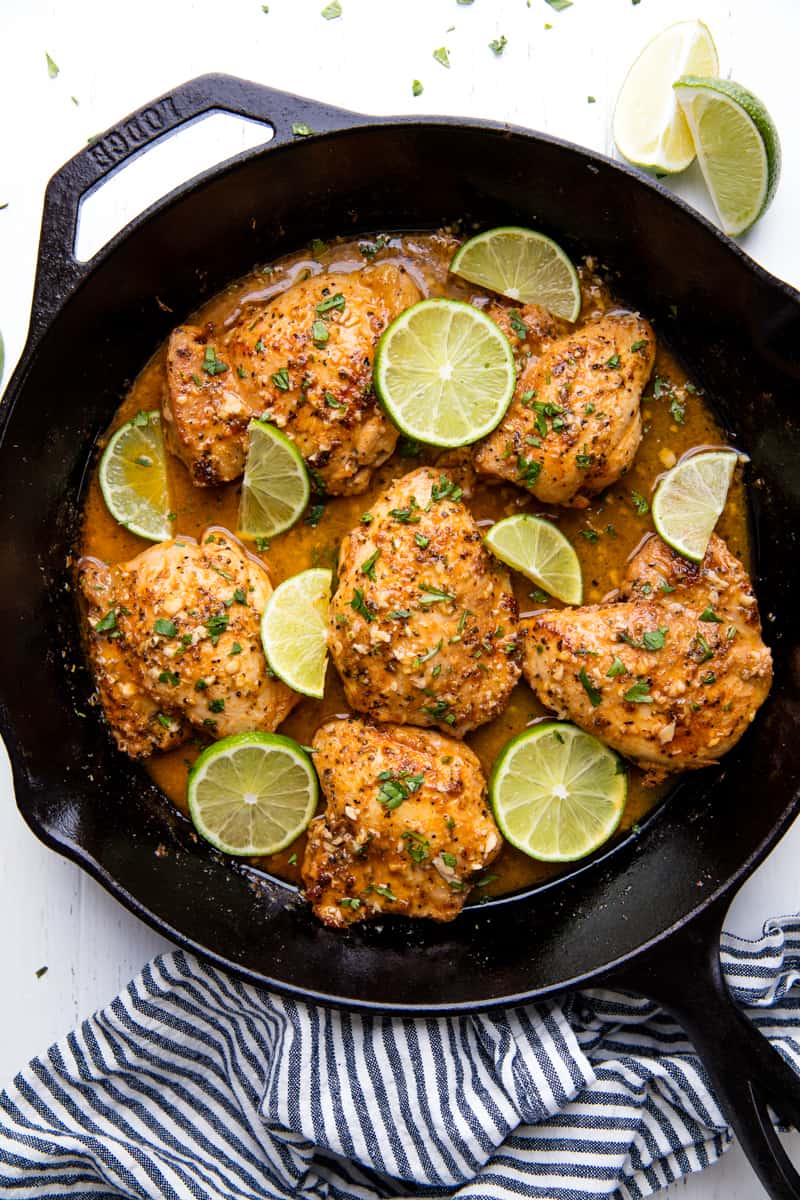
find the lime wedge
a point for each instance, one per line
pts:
(539, 550)
(557, 792)
(649, 127)
(523, 265)
(294, 631)
(252, 793)
(737, 148)
(133, 478)
(444, 372)
(689, 501)
(275, 488)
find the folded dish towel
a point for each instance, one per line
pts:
(193, 1085)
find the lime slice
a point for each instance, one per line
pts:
(689, 501)
(252, 793)
(523, 265)
(539, 550)
(649, 126)
(444, 372)
(557, 792)
(133, 478)
(275, 488)
(294, 631)
(737, 148)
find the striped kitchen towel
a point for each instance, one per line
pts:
(194, 1086)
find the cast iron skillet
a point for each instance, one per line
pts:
(647, 915)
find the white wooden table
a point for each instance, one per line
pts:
(114, 58)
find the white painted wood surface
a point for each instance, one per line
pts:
(112, 59)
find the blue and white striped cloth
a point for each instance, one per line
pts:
(193, 1085)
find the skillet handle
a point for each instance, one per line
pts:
(685, 976)
(58, 271)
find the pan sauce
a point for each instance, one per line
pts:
(604, 534)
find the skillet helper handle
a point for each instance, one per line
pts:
(747, 1073)
(58, 271)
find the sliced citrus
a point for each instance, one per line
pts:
(275, 489)
(444, 372)
(557, 792)
(690, 498)
(649, 126)
(133, 478)
(252, 793)
(541, 552)
(294, 631)
(737, 145)
(524, 265)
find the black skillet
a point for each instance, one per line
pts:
(647, 914)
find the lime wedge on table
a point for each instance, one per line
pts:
(444, 372)
(689, 501)
(294, 631)
(539, 550)
(133, 478)
(649, 126)
(737, 148)
(557, 792)
(252, 793)
(275, 488)
(523, 265)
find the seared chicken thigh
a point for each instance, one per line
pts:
(303, 361)
(406, 826)
(574, 423)
(423, 624)
(671, 673)
(174, 639)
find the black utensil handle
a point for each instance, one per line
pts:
(748, 1075)
(58, 271)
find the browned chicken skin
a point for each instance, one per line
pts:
(423, 623)
(574, 423)
(670, 673)
(174, 639)
(406, 826)
(303, 361)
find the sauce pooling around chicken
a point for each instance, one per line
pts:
(675, 419)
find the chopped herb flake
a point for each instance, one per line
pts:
(594, 693)
(639, 693)
(442, 57)
(281, 379)
(165, 628)
(640, 503)
(368, 565)
(359, 605)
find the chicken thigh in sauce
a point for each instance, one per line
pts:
(423, 623)
(574, 423)
(302, 361)
(406, 827)
(670, 673)
(175, 643)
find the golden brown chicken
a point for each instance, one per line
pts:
(406, 826)
(303, 361)
(423, 624)
(574, 423)
(174, 640)
(670, 673)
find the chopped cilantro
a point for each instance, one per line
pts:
(359, 605)
(165, 628)
(639, 693)
(442, 57)
(640, 503)
(594, 693)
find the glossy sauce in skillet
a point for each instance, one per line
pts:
(604, 534)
